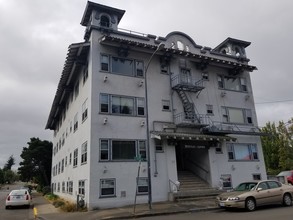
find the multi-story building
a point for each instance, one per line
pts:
(133, 110)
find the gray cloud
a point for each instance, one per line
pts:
(35, 36)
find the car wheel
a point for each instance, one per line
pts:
(250, 204)
(6, 207)
(287, 200)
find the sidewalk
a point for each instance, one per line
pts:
(46, 211)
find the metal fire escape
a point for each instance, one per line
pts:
(190, 116)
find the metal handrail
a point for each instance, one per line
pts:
(198, 118)
(172, 183)
(178, 79)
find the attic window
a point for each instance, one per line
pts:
(180, 45)
(105, 22)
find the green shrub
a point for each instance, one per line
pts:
(51, 196)
(58, 203)
(69, 207)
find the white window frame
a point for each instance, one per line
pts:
(75, 157)
(84, 153)
(103, 182)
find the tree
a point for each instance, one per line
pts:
(10, 162)
(37, 161)
(277, 147)
(1, 176)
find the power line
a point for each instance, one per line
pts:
(270, 102)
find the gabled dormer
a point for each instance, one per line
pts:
(101, 17)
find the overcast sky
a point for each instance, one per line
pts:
(35, 35)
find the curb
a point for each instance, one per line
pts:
(158, 213)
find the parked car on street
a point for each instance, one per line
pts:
(19, 197)
(288, 174)
(250, 195)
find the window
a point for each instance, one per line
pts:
(105, 62)
(62, 166)
(84, 110)
(210, 110)
(180, 45)
(66, 161)
(256, 176)
(232, 83)
(59, 167)
(237, 115)
(122, 150)
(220, 82)
(226, 180)
(107, 187)
(81, 187)
(104, 103)
(243, 84)
(274, 184)
(140, 106)
(142, 185)
(218, 148)
(142, 150)
(85, 73)
(159, 146)
(123, 66)
(262, 186)
(139, 68)
(75, 157)
(75, 122)
(122, 105)
(63, 186)
(58, 187)
(76, 89)
(244, 152)
(104, 150)
(70, 158)
(185, 75)
(84, 153)
(105, 21)
(166, 105)
(70, 187)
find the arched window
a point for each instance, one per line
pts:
(180, 45)
(105, 21)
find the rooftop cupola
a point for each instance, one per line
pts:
(101, 17)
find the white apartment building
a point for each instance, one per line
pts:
(133, 110)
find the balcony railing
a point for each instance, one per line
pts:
(196, 120)
(182, 82)
(226, 128)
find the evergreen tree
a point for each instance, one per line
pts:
(37, 160)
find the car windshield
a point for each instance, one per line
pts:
(18, 192)
(245, 186)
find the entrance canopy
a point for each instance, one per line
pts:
(189, 136)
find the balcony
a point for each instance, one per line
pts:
(182, 82)
(220, 128)
(195, 120)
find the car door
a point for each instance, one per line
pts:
(262, 194)
(275, 191)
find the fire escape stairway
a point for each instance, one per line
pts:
(189, 108)
(193, 188)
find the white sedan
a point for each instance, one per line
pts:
(20, 197)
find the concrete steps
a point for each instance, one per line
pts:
(192, 188)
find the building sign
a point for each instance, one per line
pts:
(194, 147)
